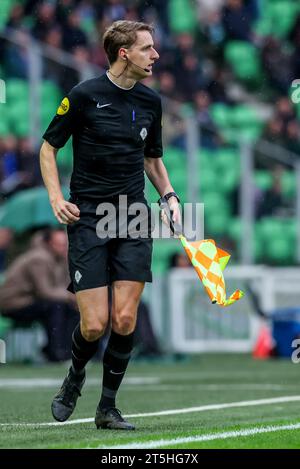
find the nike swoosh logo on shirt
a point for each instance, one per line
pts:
(115, 373)
(103, 105)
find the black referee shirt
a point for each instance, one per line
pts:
(112, 129)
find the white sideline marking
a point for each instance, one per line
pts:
(187, 410)
(29, 383)
(207, 437)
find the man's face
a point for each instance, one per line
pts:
(142, 56)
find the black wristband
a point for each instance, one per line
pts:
(168, 196)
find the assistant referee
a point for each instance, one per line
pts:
(115, 124)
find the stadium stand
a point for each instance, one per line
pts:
(232, 67)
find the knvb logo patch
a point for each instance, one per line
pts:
(2, 92)
(2, 351)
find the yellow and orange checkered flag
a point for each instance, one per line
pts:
(209, 262)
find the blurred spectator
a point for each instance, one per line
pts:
(6, 237)
(277, 64)
(206, 8)
(284, 111)
(146, 343)
(209, 132)
(73, 36)
(272, 202)
(179, 260)
(189, 77)
(237, 20)
(18, 166)
(293, 137)
(273, 131)
(29, 162)
(34, 289)
(44, 19)
(15, 57)
(216, 86)
(16, 16)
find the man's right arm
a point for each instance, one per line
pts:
(65, 212)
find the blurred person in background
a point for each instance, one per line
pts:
(18, 166)
(34, 289)
(6, 239)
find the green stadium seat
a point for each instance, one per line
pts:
(182, 16)
(4, 125)
(268, 227)
(207, 180)
(244, 116)
(175, 158)
(216, 224)
(226, 158)
(230, 180)
(263, 179)
(205, 159)
(50, 92)
(288, 184)
(65, 158)
(282, 15)
(214, 203)
(17, 90)
(163, 249)
(244, 60)
(18, 118)
(6, 6)
(280, 250)
(221, 114)
(234, 228)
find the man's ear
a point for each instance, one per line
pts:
(123, 53)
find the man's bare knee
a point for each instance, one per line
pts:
(124, 323)
(92, 332)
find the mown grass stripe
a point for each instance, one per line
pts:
(187, 410)
(207, 437)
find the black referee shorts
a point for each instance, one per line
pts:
(95, 261)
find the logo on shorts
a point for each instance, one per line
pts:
(78, 276)
(143, 133)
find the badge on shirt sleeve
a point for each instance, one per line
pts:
(63, 107)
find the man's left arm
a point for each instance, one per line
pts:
(158, 175)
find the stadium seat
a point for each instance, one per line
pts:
(221, 114)
(163, 249)
(207, 180)
(244, 60)
(216, 224)
(214, 203)
(280, 250)
(4, 125)
(50, 92)
(182, 16)
(263, 179)
(288, 184)
(282, 14)
(226, 158)
(17, 90)
(244, 116)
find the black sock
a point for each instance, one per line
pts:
(82, 350)
(115, 361)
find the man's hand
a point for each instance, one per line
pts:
(65, 212)
(174, 209)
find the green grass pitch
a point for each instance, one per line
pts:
(240, 403)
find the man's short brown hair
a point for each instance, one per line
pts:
(122, 34)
